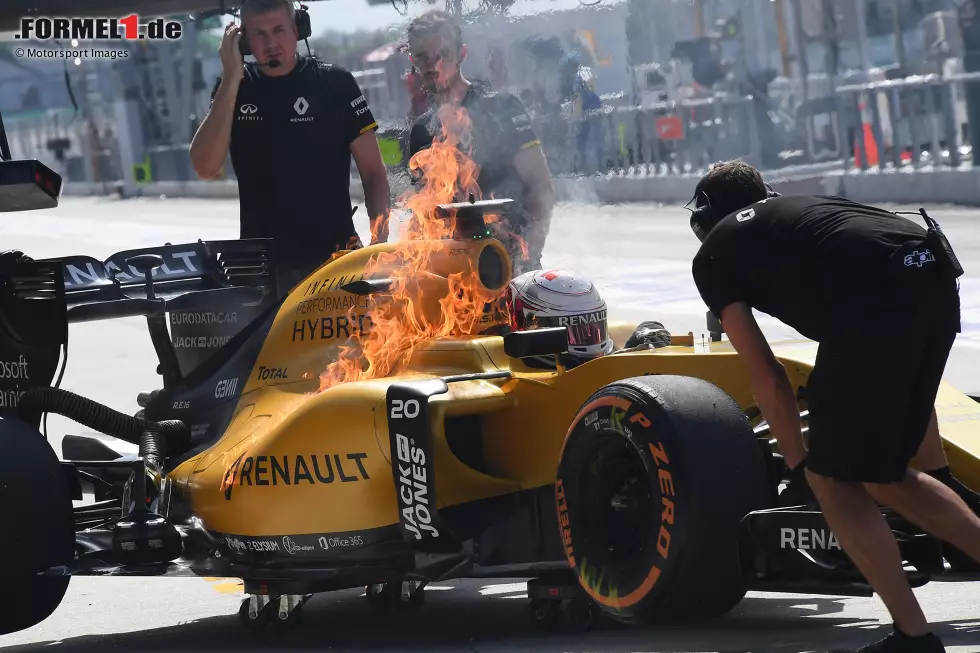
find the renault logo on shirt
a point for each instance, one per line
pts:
(300, 106)
(248, 112)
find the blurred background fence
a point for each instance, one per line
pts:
(702, 91)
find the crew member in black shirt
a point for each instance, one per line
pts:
(500, 139)
(292, 124)
(865, 284)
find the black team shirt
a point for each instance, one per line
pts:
(290, 148)
(828, 267)
(501, 127)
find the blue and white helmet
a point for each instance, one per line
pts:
(552, 298)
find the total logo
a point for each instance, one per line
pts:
(248, 112)
(270, 373)
(301, 106)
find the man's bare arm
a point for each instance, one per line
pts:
(769, 381)
(209, 147)
(532, 166)
(374, 178)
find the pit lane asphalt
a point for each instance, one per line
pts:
(639, 256)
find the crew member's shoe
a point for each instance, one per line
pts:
(797, 492)
(899, 642)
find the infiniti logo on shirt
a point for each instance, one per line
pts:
(248, 112)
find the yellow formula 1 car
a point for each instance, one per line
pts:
(638, 484)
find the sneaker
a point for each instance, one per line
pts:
(959, 562)
(797, 492)
(898, 642)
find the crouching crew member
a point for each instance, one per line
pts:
(877, 294)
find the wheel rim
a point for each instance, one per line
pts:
(618, 507)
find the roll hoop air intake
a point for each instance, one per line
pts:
(152, 437)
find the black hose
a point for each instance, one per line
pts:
(153, 448)
(149, 435)
(178, 435)
(79, 409)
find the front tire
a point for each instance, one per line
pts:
(655, 476)
(36, 513)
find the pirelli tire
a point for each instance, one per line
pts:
(36, 513)
(655, 475)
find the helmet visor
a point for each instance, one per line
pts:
(584, 330)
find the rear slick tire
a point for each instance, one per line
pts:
(655, 476)
(36, 511)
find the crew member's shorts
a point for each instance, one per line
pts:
(292, 267)
(870, 399)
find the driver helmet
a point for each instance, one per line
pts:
(552, 298)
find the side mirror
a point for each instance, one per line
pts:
(538, 342)
(27, 185)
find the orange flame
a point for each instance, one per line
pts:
(419, 304)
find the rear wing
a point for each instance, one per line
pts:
(193, 276)
(209, 290)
